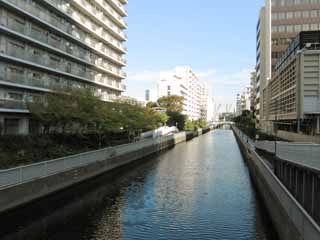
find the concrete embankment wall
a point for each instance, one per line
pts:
(22, 185)
(290, 219)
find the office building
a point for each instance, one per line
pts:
(182, 81)
(53, 45)
(294, 91)
(279, 22)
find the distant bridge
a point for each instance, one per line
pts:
(221, 123)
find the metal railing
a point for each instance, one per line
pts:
(298, 175)
(22, 174)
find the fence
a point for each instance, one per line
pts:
(16, 176)
(298, 169)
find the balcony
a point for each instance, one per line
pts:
(13, 104)
(119, 7)
(111, 13)
(87, 8)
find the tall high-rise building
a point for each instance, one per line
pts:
(182, 81)
(263, 58)
(53, 45)
(279, 22)
(253, 88)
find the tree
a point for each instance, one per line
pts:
(177, 119)
(73, 108)
(172, 103)
(152, 104)
(81, 111)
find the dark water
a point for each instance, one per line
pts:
(198, 190)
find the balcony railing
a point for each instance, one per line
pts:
(13, 104)
(63, 26)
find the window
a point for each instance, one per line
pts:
(38, 33)
(54, 61)
(297, 14)
(289, 15)
(16, 23)
(314, 13)
(290, 28)
(55, 40)
(11, 126)
(15, 96)
(274, 28)
(314, 26)
(282, 28)
(297, 28)
(305, 14)
(16, 71)
(305, 27)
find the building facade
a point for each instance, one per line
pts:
(182, 81)
(263, 59)
(243, 102)
(238, 105)
(207, 103)
(279, 22)
(253, 89)
(151, 95)
(294, 92)
(53, 45)
(288, 19)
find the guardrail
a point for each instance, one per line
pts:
(22, 174)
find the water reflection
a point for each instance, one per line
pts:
(198, 190)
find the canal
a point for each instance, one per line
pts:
(197, 190)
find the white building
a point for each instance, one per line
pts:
(207, 104)
(246, 99)
(182, 81)
(243, 101)
(151, 95)
(46, 46)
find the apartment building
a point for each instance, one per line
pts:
(294, 92)
(281, 21)
(52, 45)
(182, 81)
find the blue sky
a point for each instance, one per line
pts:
(216, 38)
